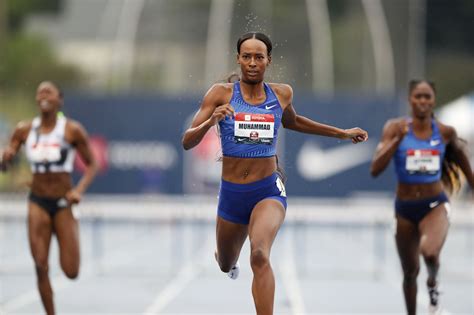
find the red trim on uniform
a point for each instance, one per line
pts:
(422, 152)
(254, 117)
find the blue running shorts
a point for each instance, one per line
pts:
(416, 210)
(236, 201)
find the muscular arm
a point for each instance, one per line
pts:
(392, 135)
(17, 139)
(214, 108)
(291, 120)
(81, 141)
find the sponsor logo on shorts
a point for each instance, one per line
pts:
(434, 204)
(62, 203)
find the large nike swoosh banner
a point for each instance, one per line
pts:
(320, 166)
(315, 163)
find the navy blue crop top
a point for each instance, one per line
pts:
(253, 131)
(419, 161)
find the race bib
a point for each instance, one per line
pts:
(254, 128)
(43, 152)
(424, 161)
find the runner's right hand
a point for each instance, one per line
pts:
(221, 112)
(401, 128)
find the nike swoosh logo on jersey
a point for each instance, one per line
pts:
(434, 142)
(269, 107)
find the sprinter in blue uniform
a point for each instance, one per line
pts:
(51, 141)
(428, 159)
(252, 198)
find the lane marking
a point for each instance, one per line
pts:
(184, 277)
(289, 275)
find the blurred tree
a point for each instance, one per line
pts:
(29, 59)
(26, 59)
(450, 24)
(19, 9)
(450, 47)
(337, 8)
(3, 22)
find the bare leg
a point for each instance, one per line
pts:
(67, 232)
(230, 238)
(408, 241)
(40, 229)
(433, 232)
(266, 219)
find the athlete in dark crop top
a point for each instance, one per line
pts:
(252, 198)
(424, 152)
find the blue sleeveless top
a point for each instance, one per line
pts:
(253, 131)
(420, 161)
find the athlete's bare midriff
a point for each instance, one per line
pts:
(247, 170)
(51, 185)
(419, 191)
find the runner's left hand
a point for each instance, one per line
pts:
(73, 196)
(5, 159)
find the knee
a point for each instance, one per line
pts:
(431, 256)
(410, 275)
(71, 274)
(224, 264)
(259, 259)
(70, 266)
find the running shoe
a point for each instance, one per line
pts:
(434, 307)
(234, 271)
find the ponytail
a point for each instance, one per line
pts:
(451, 171)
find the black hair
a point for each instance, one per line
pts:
(414, 83)
(60, 90)
(260, 36)
(451, 172)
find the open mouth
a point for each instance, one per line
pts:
(44, 104)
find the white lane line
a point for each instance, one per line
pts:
(188, 273)
(58, 283)
(289, 274)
